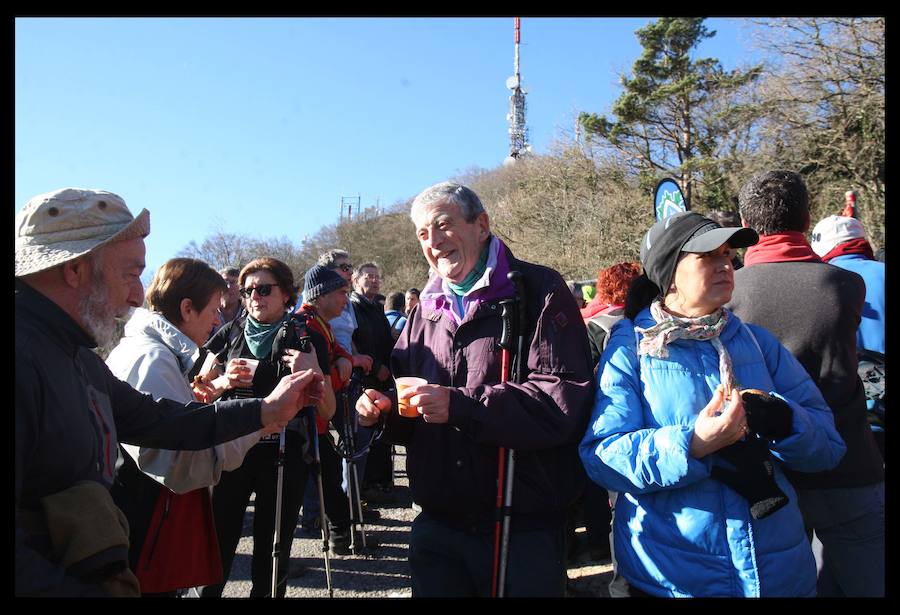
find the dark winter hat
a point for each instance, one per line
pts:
(685, 232)
(321, 280)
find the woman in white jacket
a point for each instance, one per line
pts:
(164, 493)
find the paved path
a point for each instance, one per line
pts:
(385, 573)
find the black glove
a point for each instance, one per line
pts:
(768, 416)
(753, 477)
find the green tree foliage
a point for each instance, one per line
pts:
(677, 115)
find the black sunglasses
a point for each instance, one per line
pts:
(346, 268)
(264, 290)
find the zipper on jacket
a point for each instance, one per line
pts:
(107, 439)
(159, 527)
(102, 437)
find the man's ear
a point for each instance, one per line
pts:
(484, 225)
(77, 272)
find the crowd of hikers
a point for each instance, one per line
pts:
(715, 417)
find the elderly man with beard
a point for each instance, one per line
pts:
(79, 258)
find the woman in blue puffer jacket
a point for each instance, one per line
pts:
(703, 507)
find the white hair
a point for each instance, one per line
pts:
(469, 203)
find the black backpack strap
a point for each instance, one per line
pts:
(291, 335)
(235, 331)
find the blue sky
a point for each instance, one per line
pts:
(259, 126)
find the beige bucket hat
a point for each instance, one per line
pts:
(62, 225)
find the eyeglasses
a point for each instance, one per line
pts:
(345, 267)
(263, 290)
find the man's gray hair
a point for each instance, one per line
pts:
(327, 259)
(469, 203)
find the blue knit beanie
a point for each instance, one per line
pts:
(321, 280)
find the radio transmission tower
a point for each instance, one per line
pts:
(347, 203)
(518, 132)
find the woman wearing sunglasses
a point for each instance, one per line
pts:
(264, 335)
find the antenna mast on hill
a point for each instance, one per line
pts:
(518, 132)
(347, 203)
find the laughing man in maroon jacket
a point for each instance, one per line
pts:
(465, 414)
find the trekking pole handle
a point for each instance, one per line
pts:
(516, 278)
(507, 315)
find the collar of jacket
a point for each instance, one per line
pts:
(436, 296)
(154, 325)
(51, 318)
(856, 247)
(318, 323)
(361, 298)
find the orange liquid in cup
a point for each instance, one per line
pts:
(404, 408)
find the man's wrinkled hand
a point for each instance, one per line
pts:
(370, 405)
(432, 400)
(294, 391)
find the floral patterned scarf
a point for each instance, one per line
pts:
(669, 328)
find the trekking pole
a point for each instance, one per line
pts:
(504, 458)
(348, 450)
(511, 322)
(277, 350)
(353, 476)
(349, 443)
(276, 543)
(356, 516)
(505, 346)
(322, 517)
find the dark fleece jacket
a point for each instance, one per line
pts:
(814, 309)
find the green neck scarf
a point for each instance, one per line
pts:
(466, 285)
(260, 335)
